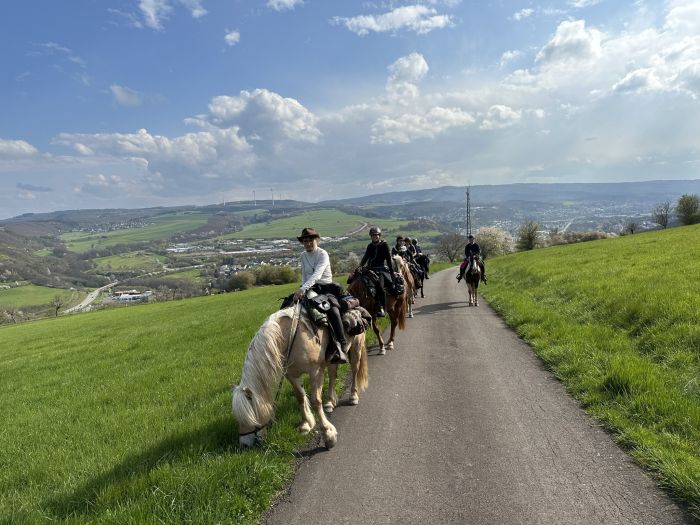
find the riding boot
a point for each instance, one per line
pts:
(335, 352)
(380, 297)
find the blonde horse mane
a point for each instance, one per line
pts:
(254, 397)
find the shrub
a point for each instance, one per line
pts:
(241, 281)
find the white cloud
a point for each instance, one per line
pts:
(572, 42)
(409, 127)
(580, 4)
(232, 37)
(500, 116)
(125, 96)
(154, 12)
(417, 18)
(509, 56)
(523, 13)
(195, 7)
(404, 74)
(16, 149)
(265, 114)
(284, 5)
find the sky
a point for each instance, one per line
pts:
(139, 103)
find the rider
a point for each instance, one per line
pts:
(400, 249)
(419, 251)
(470, 250)
(316, 275)
(378, 259)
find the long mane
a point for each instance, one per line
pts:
(262, 371)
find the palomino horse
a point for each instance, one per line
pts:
(396, 306)
(288, 345)
(402, 267)
(472, 276)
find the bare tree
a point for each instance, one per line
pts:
(688, 209)
(57, 303)
(661, 214)
(451, 246)
(631, 226)
(528, 236)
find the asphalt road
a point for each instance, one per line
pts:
(462, 424)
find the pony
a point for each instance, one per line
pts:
(472, 276)
(289, 345)
(396, 306)
(423, 260)
(404, 268)
(418, 274)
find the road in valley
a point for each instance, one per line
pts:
(462, 424)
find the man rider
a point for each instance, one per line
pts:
(400, 249)
(471, 249)
(378, 259)
(316, 275)
(419, 251)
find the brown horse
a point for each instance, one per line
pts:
(396, 307)
(404, 268)
(278, 350)
(472, 276)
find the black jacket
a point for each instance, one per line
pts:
(472, 249)
(376, 255)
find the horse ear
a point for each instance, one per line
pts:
(248, 393)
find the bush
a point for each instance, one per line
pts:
(241, 281)
(275, 275)
(494, 242)
(688, 209)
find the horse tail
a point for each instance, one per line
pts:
(362, 379)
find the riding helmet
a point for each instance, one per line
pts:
(375, 230)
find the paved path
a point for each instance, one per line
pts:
(462, 424)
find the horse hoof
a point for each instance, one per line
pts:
(382, 351)
(410, 316)
(354, 399)
(304, 428)
(330, 439)
(328, 407)
(390, 346)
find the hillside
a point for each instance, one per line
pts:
(617, 321)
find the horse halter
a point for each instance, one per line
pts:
(255, 431)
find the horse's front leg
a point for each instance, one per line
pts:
(330, 434)
(377, 332)
(390, 343)
(307, 418)
(355, 362)
(332, 400)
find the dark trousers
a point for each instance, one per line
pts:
(384, 278)
(335, 323)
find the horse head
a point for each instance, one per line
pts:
(252, 424)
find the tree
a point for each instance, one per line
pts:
(631, 226)
(241, 281)
(528, 236)
(661, 214)
(494, 242)
(450, 246)
(688, 209)
(57, 303)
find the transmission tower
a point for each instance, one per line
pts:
(469, 212)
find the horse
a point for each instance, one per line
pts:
(423, 260)
(418, 274)
(404, 268)
(472, 276)
(396, 306)
(289, 345)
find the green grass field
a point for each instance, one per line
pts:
(123, 416)
(129, 261)
(33, 295)
(159, 228)
(618, 321)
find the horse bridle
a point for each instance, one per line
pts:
(255, 431)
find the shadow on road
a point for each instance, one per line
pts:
(440, 307)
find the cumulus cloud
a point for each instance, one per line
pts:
(418, 18)
(265, 114)
(125, 96)
(572, 42)
(232, 37)
(500, 116)
(409, 127)
(509, 56)
(16, 149)
(284, 5)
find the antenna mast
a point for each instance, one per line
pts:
(469, 212)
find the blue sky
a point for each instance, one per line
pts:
(167, 102)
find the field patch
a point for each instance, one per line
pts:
(33, 295)
(617, 320)
(129, 262)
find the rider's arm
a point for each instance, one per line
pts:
(323, 265)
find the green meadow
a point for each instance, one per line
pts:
(158, 228)
(33, 295)
(123, 416)
(328, 223)
(618, 321)
(129, 261)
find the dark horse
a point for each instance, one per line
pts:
(396, 305)
(418, 275)
(472, 276)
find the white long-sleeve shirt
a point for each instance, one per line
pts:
(315, 268)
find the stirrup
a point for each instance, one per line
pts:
(338, 358)
(381, 312)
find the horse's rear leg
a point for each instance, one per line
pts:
(307, 418)
(332, 400)
(330, 434)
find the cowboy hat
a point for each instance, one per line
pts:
(308, 233)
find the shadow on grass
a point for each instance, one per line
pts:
(219, 437)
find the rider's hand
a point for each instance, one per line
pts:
(298, 295)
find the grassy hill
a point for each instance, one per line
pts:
(123, 416)
(618, 321)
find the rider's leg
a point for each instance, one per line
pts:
(381, 296)
(336, 351)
